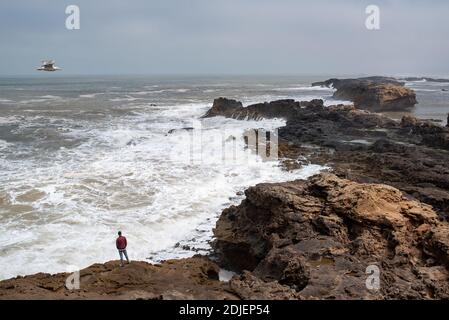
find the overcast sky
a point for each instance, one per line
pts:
(226, 36)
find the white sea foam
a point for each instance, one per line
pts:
(4, 144)
(8, 120)
(129, 174)
(126, 98)
(427, 90)
(304, 88)
(91, 95)
(50, 97)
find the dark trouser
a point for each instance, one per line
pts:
(122, 252)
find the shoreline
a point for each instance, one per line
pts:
(404, 160)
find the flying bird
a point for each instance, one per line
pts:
(48, 65)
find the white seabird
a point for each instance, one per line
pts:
(48, 65)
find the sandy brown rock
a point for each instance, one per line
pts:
(249, 287)
(373, 93)
(410, 155)
(194, 278)
(319, 236)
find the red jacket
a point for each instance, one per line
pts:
(121, 243)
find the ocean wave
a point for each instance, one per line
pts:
(125, 98)
(4, 144)
(44, 98)
(304, 88)
(426, 90)
(90, 95)
(107, 183)
(50, 97)
(10, 119)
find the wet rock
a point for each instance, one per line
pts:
(171, 131)
(410, 155)
(276, 109)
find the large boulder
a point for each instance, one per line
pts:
(323, 236)
(224, 107)
(373, 93)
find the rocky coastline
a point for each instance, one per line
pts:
(377, 94)
(384, 204)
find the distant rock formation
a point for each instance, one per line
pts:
(321, 236)
(373, 93)
(276, 109)
(427, 79)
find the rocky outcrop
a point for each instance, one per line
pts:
(194, 278)
(321, 237)
(224, 107)
(314, 239)
(276, 109)
(410, 155)
(373, 93)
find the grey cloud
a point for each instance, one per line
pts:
(232, 36)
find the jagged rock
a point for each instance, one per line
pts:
(431, 134)
(276, 109)
(319, 236)
(373, 93)
(249, 287)
(171, 131)
(223, 107)
(410, 155)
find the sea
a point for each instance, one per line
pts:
(82, 157)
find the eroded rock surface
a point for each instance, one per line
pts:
(286, 109)
(194, 278)
(411, 155)
(319, 236)
(373, 93)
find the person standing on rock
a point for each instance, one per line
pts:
(121, 244)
